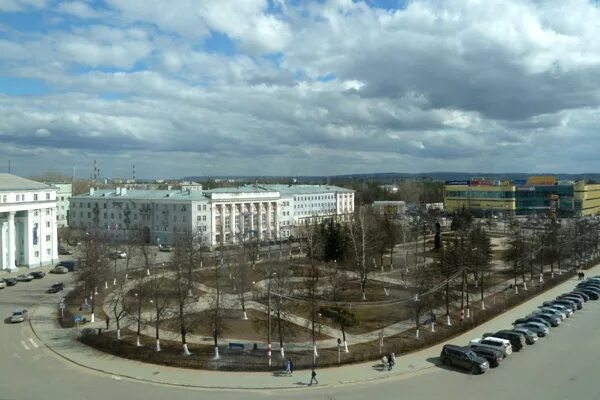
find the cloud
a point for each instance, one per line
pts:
(307, 87)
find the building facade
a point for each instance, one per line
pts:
(536, 195)
(394, 209)
(221, 216)
(28, 234)
(65, 191)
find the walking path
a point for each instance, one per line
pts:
(62, 342)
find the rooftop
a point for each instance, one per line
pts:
(13, 182)
(304, 189)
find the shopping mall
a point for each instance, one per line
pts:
(535, 195)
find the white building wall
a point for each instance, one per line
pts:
(20, 210)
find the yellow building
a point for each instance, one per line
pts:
(587, 198)
(484, 198)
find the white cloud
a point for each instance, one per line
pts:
(437, 85)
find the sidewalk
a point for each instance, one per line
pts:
(61, 341)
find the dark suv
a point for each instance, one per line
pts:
(463, 357)
(516, 340)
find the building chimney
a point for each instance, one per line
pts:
(91, 190)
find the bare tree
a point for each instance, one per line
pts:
(182, 266)
(160, 297)
(216, 317)
(310, 233)
(117, 306)
(93, 267)
(362, 231)
(337, 282)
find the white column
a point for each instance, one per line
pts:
(222, 227)
(276, 212)
(213, 228)
(42, 238)
(243, 211)
(252, 214)
(11, 241)
(260, 224)
(232, 221)
(269, 235)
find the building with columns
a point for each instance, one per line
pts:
(28, 235)
(223, 216)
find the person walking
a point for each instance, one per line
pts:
(288, 367)
(313, 377)
(291, 366)
(107, 321)
(391, 361)
(384, 361)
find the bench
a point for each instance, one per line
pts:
(236, 346)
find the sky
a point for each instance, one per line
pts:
(293, 87)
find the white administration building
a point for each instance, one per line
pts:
(225, 215)
(28, 234)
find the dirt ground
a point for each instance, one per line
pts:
(254, 328)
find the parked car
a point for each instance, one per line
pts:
(24, 278)
(463, 357)
(19, 315)
(572, 304)
(516, 340)
(591, 294)
(70, 265)
(531, 318)
(38, 274)
(553, 320)
(552, 311)
(493, 357)
(589, 284)
(56, 287)
(566, 309)
(10, 281)
(2, 283)
(530, 336)
(59, 269)
(165, 248)
(64, 251)
(580, 296)
(113, 255)
(494, 343)
(577, 300)
(539, 329)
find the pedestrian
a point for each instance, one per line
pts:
(288, 369)
(390, 362)
(384, 361)
(107, 321)
(393, 359)
(313, 377)
(291, 367)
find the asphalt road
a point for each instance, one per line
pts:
(562, 366)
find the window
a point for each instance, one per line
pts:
(89, 215)
(204, 207)
(199, 207)
(35, 213)
(104, 205)
(104, 215)
(35, 197)
(47, 196)
(47, 238)
(89, 205)
(198, 218)
(47, 211)
(47, 224)
(62, 198)
(37, 254)
(48, 251)
(204, 218)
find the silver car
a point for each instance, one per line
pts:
(19, 315)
